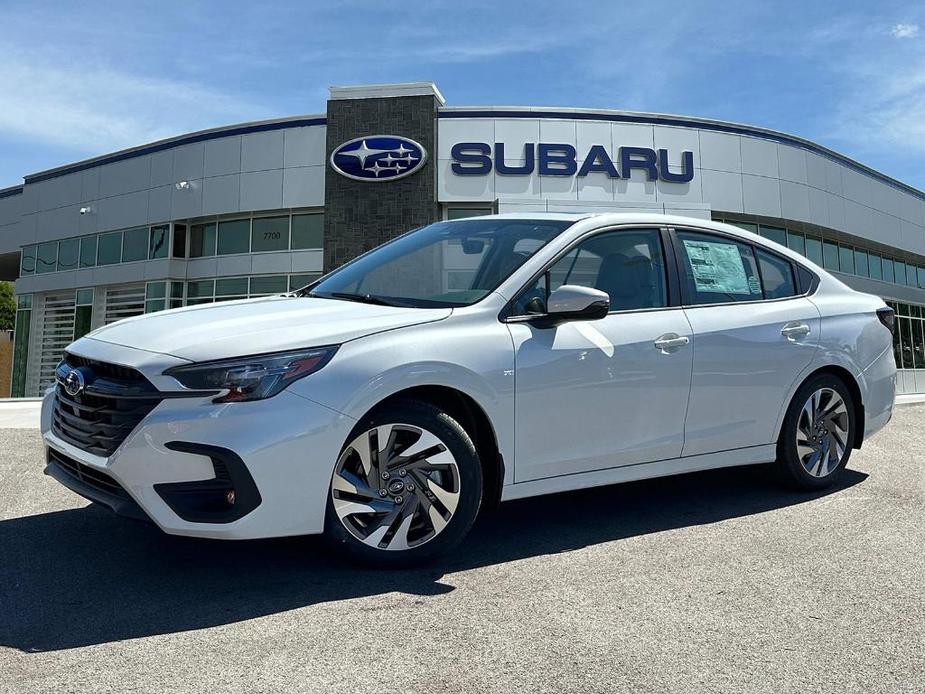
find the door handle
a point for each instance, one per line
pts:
(794, 330)
(670, 341)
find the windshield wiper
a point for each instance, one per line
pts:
(360, 298)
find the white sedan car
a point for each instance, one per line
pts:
(470, 362)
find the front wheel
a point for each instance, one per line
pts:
(407, 486)
(818, 433)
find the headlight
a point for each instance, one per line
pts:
(252, 378)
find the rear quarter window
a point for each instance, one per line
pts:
(777, 278)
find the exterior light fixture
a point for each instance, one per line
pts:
(182, 185)
(85, 210)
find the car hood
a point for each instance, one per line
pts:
(255, 326)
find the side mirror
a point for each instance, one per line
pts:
(571, 302)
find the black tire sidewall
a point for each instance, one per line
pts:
(787, 458)
(459, 443)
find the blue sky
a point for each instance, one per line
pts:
(81, 79)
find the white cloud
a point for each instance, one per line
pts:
(96, 109)
(905, 31)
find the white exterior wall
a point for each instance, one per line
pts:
(733, 173)
(274, 170)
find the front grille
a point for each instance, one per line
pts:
(86, 474)
(102, 415)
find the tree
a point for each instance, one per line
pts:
(7, 306)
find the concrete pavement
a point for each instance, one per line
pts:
(709, 582)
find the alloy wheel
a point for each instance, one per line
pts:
(822, 432)
(396, 487)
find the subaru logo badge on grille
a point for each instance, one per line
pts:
(73, 382)
(378, 158)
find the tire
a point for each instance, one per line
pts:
(823, 425)
(414, 509)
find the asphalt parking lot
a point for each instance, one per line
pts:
(710, 582)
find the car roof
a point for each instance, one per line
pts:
(605, 218)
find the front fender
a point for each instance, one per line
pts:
(475, 360)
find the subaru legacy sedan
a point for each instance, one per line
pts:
(467, 363)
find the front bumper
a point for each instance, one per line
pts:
(287, 447)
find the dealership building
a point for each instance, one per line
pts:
(262, 208)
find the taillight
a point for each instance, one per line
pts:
(888, 317)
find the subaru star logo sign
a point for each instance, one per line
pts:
(74, 383)
(378, 158)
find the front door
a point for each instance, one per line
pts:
(591, 395)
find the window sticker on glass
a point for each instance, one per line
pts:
(718, 267)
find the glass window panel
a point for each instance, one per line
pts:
(299, 281)
(900, 272)
(307, 230)
(202, 240)
(270, 234)
(176, 290)
(82, 317)
(921, 276)
(776, 276)
(914, 311)
(84, 296)
(897, 344)
(814, 250)
(199, 289)
(830, 255)
(68, 251)
(795, 242)
(463, 212)
(179, 241)
(861, 263)
(27, 262)
(906, 342)
(912, 277)
(155, 305)
(134, 244)
(88, 251)
(160, 241)
(874, 266)
(775, 234)
(20, 352)
(156, 290)
(846, 259)
(902, 309)
(47, 257)
(718, 270)
(234, 237)
(110, 249)
(233, 286)
(270, 284)
(888, 270)
(918, 346)
(24, 301)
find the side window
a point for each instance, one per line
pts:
(718, 270)
(629, 265)
(776, 275)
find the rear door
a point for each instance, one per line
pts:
(754, 333)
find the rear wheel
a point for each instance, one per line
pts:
(818, 433)
(407, 486)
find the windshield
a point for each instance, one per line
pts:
(442, 265)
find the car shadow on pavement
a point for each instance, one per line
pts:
(84, 576)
